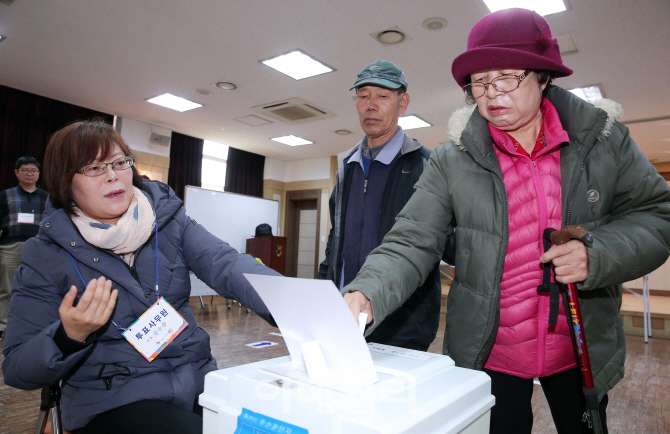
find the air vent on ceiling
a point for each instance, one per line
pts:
(293, 111)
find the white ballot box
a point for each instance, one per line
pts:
(416, 392)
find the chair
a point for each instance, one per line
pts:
(50, 403)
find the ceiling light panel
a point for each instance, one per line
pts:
(542, 7)
(292, 140)
(411, 122)
(589, 93)
(174, 102)
(297, 65)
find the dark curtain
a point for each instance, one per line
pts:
(185, 162)
(27, 121)
(244, 173)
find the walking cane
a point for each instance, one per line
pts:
(592, 414)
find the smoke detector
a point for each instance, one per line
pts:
(435, 23)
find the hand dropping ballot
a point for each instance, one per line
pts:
(327, 347)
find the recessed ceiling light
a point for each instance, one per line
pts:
(589, 93)
(435, 23)
(204, 91)
(2, 38)
(297, 65)
(390, 37)
(225, 85)
(292, 140)
(174, 102)
(342, 132)
(410, 122)
(542, 7)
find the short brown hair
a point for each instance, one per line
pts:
(73, 147)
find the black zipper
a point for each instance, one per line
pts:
(579, 178)
(501, 262)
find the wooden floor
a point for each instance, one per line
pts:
(639, 404)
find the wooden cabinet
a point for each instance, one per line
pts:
(270, 250)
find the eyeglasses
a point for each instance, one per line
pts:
(504, 83)
(27, 171)
(97, 169)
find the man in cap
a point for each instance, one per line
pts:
(374, 181)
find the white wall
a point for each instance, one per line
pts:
(297, 170)
(137, 134)
(274, 169)
(307, 170)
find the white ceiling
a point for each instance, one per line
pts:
(112, 55)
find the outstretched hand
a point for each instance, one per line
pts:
(92, 311)
(358, 303)
(571, 261)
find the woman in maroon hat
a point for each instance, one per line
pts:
(528, 156)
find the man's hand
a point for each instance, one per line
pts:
(92, 311)
(358, 303)
(571, 262)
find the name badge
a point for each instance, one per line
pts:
(155, 329)
(26, 217)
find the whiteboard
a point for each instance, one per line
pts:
(230, 217)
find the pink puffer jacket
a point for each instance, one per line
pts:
(526, 346)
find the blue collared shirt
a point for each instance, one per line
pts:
(386, 155)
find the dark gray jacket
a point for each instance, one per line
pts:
(109, 372)
(608, 187)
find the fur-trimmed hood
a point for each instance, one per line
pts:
(459, 119)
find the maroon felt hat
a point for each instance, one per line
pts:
(510, 38)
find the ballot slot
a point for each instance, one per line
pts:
(324, 340)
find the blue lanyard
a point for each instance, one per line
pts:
(158, 294)
(37, 196)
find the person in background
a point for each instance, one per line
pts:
(375, 179)
(21, 209)
(528, 156)
(100, 287)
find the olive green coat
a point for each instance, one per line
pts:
(608, 187)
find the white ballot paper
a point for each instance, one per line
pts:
(326, 345)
